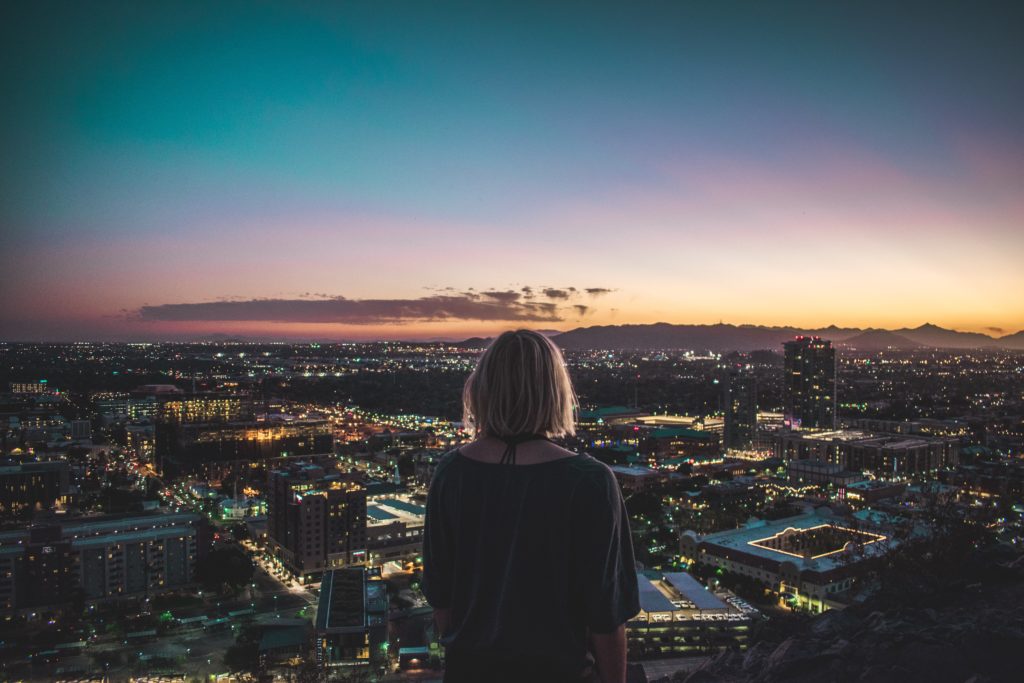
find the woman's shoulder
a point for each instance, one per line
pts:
(585, 463)
(586, 467)
(444, 463)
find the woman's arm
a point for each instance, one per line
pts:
(610, 655)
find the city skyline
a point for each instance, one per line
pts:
(443, 172)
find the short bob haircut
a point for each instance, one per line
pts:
(520, 386)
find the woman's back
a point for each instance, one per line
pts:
(527, 557)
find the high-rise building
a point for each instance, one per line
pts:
(810, 383)
(739, 405)
(315, 520)
(141, 441)
(98, 558)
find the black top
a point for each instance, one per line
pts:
(528, 557)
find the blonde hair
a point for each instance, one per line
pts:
(520, 386)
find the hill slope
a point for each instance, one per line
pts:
(722, 337)
(879, 340)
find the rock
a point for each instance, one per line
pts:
(754, 657)
(702, 676)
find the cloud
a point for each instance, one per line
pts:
(508, 296)
(581, 309)
(997, 330)
(553, 293)
(597, 291)
(491, 305)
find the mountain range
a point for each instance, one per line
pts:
(723, 337)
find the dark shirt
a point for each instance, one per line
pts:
(527, 557)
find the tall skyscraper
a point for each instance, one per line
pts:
(739, 405)
(810, 382)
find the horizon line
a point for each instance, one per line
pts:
(234, 338)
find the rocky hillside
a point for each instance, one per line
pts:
(968, 629)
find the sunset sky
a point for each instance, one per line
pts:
(441, 170)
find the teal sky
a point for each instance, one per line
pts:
(699, 160)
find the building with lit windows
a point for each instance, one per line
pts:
(680, 617)
(394, 529)
(27, 486)
(607, 416)
(820, 473)
(351, 618)
(638, 478)
(140, 441)
(675, 442)
(211, 407)
(40, 387)
(90, 560)
(192, 447)
(122, 408)
(886, 456)
(810, 560)
(316, 520)
(739, 407)
(810, 383)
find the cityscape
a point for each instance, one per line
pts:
(230, 509)
(251, 253)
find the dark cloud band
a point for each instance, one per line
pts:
(486, 306)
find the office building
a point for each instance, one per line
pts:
(40, 387)
(680, 617)
(810, 383)
(96, 559)
(140, 441)
(820, 473)
(677, 442)
(81, 430)
(176, 407)
(637, 478)
(29, 486)
(739, 407)
(122, 408)
(886, 456)
(351, 618)
(394, 529)
(315, 520)
(193, 447)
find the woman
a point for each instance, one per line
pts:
(527, 558)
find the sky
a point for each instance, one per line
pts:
(365, 170)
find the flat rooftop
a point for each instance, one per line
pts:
(342, 604)
(633, 470)
(390, 509)
(817, 541)
(678, 596)
(756, 538)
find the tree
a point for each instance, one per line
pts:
(644, 505)
(244, 655)
(107, 659)
(224, 568)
